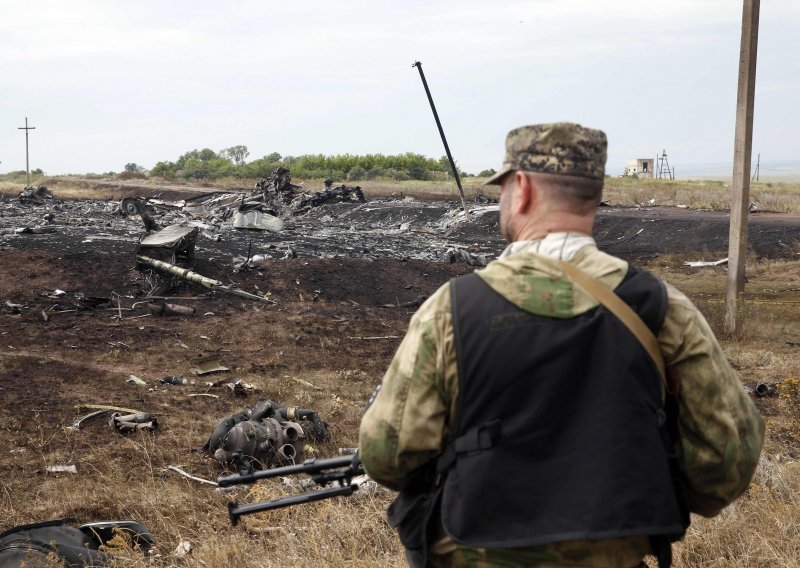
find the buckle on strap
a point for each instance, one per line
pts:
(475, 440)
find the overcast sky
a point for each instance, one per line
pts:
(107, 83)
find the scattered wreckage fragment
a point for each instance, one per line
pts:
(189, 276)
(165, 309)
(264, 435)
(51, 543)
(454, 254)
(134, 206)
(207, 365)
(36, 196)
(415, 303)
(175, 380)
(238, 388)
(188, 475)
(703, 263)
(766, 389)
(339, 194)
(258, 220)
(62, 469)
(121, 419)
(280, 184)
(132, 422)
(79, 422)
(38, 230)
(174, 242)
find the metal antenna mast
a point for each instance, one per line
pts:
(663, 168)
(27, 162)
(418, 65)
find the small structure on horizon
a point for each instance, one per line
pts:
(664, 171)
(640, 167)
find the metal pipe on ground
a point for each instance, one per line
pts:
(165, 309)
(190, 276)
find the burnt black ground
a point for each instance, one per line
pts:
(422, 230)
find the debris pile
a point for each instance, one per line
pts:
(276, 220)
(265, 435)
(337, 194)
(279, 184)
(36, 196)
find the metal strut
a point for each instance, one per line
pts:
(418, 65)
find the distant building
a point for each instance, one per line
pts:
(640, 167)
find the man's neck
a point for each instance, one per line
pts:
(561, 245)
(555, 222)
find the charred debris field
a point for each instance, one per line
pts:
(329, 288)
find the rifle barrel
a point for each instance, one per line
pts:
(310, 467)
(235, 511)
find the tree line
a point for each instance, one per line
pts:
(207, 164)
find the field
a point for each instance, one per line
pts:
(323, 344)
(772, 196)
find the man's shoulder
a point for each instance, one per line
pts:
(601, 265)
(436, 305)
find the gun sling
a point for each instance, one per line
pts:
(623, 312)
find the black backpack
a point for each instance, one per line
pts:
(76, 547)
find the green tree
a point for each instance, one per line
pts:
(203, 155)
(487, 173)
(166, 170)
(132, 168)
(195, 168)
(237, 154)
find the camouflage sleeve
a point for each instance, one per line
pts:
(406, 423)
(721, 430)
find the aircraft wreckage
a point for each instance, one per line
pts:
(275, 220)
(279, 219)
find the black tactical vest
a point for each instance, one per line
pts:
(560, 433)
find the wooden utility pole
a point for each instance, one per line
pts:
(27, 162)
(742, 153)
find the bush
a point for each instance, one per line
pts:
(131, 175)
(206, 164)
(356, 173)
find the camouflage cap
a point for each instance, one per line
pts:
(562, 148)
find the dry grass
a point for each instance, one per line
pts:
(759, 530)
(701, 194)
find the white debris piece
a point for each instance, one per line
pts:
(701, 263)
(183, 549)
(61, 469)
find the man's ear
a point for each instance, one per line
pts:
(527, 192)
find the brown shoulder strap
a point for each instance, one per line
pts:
(624, 313)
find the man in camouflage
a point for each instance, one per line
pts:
(712, 434)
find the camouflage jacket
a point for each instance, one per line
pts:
(407, 424)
